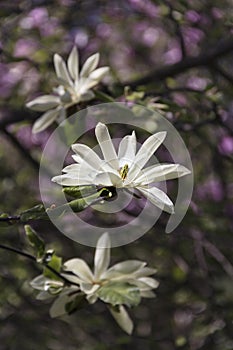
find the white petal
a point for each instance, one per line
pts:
(144, 272)
(72, 168)
(61, 70)
(150, 282)
(58, 307)
(88, 155)
(102, 255)
(89, 65)
(127, 267)
(99, 73)
(45, 121)
(44, 103)
(127, 149)
(69, 180)
(145, 153)
(43, 295)
(147, 294)
(161, 172)
(80, 268)
(108, 179)
(106, 145)
(122, 318)
(158, 198)
(89, 288)
(73, 63)
(91, 298)
(39, 282)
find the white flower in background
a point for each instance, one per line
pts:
(122, 284)
(123, 169)
(74, 87)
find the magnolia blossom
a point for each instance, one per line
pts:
(74, 87)
(123, 169)
(133, 272)
(82, 281)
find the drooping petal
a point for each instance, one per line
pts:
(69, 180)
(45, 121)
(158, 198)
(44, 103)
(89, 65)
(107, 179)
(99, 73)
(145, 153)
(161, 172)
(88, 155)
(58, 308)
(61, 70)
(80, 268)
(43, 295)
(73, 63)
(102, 255)
(122, 318)
(127, 149)
(106, 145)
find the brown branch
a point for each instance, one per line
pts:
(24, 152)
(204, 59)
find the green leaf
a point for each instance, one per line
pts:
(36, 242)
(119, 293)
(79, 191)
(55, 263)
(80, 204)
(34, 213)
(76, 304)
(122, 318)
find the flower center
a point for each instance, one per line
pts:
(124, 171)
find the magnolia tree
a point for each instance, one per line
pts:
(108, 148)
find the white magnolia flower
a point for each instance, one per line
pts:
(84, 282)
(123, 169)
(75, 87)
(132, 272)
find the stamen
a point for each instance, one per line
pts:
(124, 171)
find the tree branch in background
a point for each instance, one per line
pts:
(204, 59)
(23, 151)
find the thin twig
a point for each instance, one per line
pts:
(33, 258)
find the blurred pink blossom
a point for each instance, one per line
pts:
(39, 18)
(146, 6)
(192, 16)
(211, 189)
(226, 145)
(25, 47)
(173, 54)
(198, 83)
